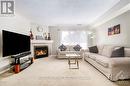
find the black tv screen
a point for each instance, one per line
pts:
(14, 43)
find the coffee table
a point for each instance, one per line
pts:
(73, 60)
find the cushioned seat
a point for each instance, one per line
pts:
(104, 61)
(100, 59)
(92, 56)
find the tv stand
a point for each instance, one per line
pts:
(22, 61)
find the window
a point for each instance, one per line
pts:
(74, 37)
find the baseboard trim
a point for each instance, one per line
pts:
(54, 55)
(5, 68)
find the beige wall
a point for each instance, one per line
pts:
(120, 39)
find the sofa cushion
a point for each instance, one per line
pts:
(118, 52)
(127, 52)
(107, 50)
(69, 47)
(77, 47)
(100, 49)
(102, 60)
(62, 47)
(92, 56)
(93, 49)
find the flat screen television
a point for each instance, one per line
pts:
(14, 43)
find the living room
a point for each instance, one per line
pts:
(45, 36)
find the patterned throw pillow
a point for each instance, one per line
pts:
(118, 52)
(77, 47)
(62, 47)
(93, 49)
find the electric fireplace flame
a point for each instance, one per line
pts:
(40, 52)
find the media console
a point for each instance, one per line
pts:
(22, 61)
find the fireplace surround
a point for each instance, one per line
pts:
(46, 44)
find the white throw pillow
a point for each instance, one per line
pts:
(107, 50)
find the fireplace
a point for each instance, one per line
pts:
(41, 43)
(40, 51)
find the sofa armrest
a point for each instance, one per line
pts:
(119, 68)
(120, 61)
(58, 50)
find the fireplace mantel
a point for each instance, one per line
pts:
(41, 41)
(35, 43)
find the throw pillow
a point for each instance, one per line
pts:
(118, 52)
(77, 47)
(62, 47)
(93, 49)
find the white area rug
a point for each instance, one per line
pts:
(54, 72)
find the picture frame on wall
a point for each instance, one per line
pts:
(114, 30)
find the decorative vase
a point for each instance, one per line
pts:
(45, 36)
(31, 35)
(49, 36)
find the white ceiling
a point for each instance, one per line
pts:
(63, 11)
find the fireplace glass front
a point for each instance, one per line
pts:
(40, 51)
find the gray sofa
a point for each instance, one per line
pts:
(62, 54)
(114, 68)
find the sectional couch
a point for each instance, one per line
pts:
(113, 68)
